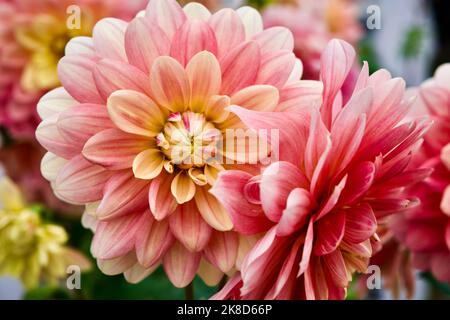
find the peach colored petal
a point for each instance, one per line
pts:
(115, 149)
(162, 202)
(205, 79)
(181, 265)
(215, 109)
(209, 273)
(148, 164)
(136, 113)
(257, 98)
(170, 84)
(153, 239)
(182, 187)
(212, 211)
(188, 226)
(123, 194)
(222, 250)
(137, 273)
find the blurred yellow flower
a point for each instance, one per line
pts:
(31, 249)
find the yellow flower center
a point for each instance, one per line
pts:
(188, 141)
(44, 39)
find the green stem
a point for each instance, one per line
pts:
(189, 291)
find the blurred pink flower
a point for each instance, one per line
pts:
(141, 105)
(426, 230)
(32, 39)
(314, 23)
(342, 171)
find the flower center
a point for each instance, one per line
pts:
(44, 38)
(188, 141)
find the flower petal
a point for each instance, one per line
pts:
(188, 226)
(78, 124)
(212, 211)
(243, 57)
(192, 38)
(153, 239)
(162, 202)
(205, 79)
(148, 164)
(51, 164)
(167, 14)
(275, 38)
(248, 218)
(257, 98)
(135, 113)
(55, 101)
(181, 265)
(80, 182)
(182, 187)
(144, 42)
(277, 182)
(170, 84)
(76, 75)
(252, 21)
(111, 75)
(108, 37)
(222, 250)
(276, 68)
(123, 194)
(196, 11)
(48, 135)
(336, 62)
(360, 223)
(115, 149)
(115, 238)
(294, 217)
(229, 30)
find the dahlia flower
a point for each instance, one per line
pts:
(394, 261)
(32, 250)
(314, 23)
(133, 132)
(342, 169)
(33, 35)
(426, 230)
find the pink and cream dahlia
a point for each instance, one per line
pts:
(343, 169)
(314, 23)
(135, 133)
(426, 230)
(33, 35)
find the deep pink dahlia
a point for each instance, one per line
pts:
(342, 170)
(426, 230)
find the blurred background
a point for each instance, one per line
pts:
(410, 38)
